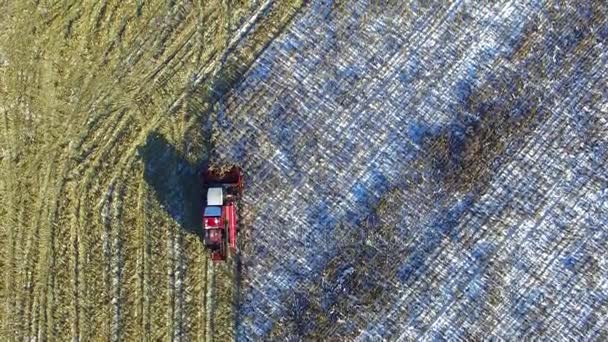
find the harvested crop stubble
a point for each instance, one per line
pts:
(91, 248)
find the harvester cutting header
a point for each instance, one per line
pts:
(222, 188)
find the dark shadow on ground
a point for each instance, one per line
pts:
(172, 177)
(174, 181)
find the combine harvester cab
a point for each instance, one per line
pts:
(222, 188)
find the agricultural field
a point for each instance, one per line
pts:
(104, 108)
(414, 170)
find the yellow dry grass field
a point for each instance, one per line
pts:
(92, 93)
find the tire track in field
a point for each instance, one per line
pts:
(8, 263)
(201, 299)
(15, 206)
(33, 252)
(116, 265)
(145, 272)
(75, 262)
(141, 266)
(210, 302)
(170, 274)
(52, 260)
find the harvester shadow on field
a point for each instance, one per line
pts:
(177, 187)
(174, 181)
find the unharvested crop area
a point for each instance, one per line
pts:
(104, 111)
(426, 170)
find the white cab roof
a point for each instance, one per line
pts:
(215, 196)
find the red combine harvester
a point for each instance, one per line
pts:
(222, 189)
